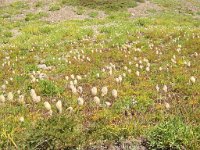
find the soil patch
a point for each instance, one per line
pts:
(143, 9)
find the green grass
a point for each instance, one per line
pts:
(35, 16)
(39, 4)
(93, 14)
(173, 134)
(80, 10)
(54, 7)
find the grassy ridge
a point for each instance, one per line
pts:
(102, 4)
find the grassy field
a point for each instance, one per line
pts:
(117, 81)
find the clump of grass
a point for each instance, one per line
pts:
(64, 1)
(35, 16)
(93, 14)
(30, 67)
(54, 7)
(141, 1)
(56, 132)
(7, 34)
(39, 4)
(79, 11)
(19, 5)
(6, 15)
(172, 134)
(110, 5)
(48, 88)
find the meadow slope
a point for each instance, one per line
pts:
(97, 75)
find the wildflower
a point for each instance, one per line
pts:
(165, 88)
(72, 76)
(148, 64)
(192, 79)
(74, 90)
(97, 100)
(178, 50)
(75, 82)
(108, 104)
(134, 101)
(145, 60)
(135, 58)
(196, 54)
(66, 78)
(125, 68)
(59, 106)
(88, 59)
(2, 98)
(94, 91)
(114, 93)
(110, 71)
(21, 119)
(120, 78)
(70, 109)
(3, 87)
(167, 105)
(157, 88)
(21, 99)
(37, 99)
(50, 112)
(138, 73)
(6, 82)
(173, 60)
(80, 101)
(80, 89)
(47, 106)
(97, 75)
(71, 83)
(78, 77)
(10, 96)
(188, 63)
(18, 92)
(34, 96)
(33, 79)
(117, 80)
(104, 91)
(147, 69)
(124, 75)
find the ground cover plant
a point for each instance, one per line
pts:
(104, 78)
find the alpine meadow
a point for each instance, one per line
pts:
(99, 74)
